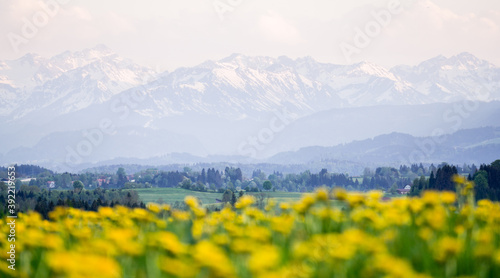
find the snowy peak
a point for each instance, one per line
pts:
(237, 86)
(71, 60)
(73, 80)
(461, 62)
(367, 68)
(459, 77)
(470, 61)
(31, 59)
(237, 60)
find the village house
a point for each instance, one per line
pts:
(405, 190)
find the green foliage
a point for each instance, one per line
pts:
(394, 188)
(122, 177)
(227, 196)
(44, 201)
(267, 185)
(77, 186)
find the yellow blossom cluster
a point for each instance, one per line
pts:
(328, 233)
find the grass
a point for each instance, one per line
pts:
(171, 195)
(281, 197)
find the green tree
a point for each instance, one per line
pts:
(122, 177)
(227, 196)
(233, 199)
(77, 186)
(186, 183)
(267, 185)
(394, 188)
(481, 182)
(18, 184)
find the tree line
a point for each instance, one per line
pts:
(44, 201)
(486, 180)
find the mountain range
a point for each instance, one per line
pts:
(215, 108)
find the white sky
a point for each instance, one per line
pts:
(166, 34)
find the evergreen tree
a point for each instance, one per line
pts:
(121, 177)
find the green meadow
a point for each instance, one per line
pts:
(171, 195)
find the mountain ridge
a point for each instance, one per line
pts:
(242, 85)
(217, 105)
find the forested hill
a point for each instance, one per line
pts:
(479, 145)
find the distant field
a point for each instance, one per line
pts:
(281, 197)
(170, 195)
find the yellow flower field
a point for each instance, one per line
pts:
(326, 234)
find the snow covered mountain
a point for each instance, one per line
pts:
(214, 107)
(66, 82)
(238, 86)
(456, 78)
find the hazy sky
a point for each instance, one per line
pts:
(166, 34)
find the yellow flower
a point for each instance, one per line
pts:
(355, 199)
(375, 194)
(52, 241)
(220, 239)
(58, 212)
(165, 207)
(459, 179)
(121, 236)
(140, 214)
(435, 217)
(154, 208)
(322, 194)
(191, 201)
(34, 237)
(245, 201)
(339, 193)
(448, 197)
(485, 203)
(389, 235)
(393, 267)
(178, 268)
(416, 205)
(425, 233)
(106, 211)
(98, 247)
(197, 229)
(304, 204)
(180, 215)
(170, 242)
(285, 206)
(209, 255)
(83, 265)
(242, 246)
(264, 258)
(258, 233)
(446, 248)
(431, 198)
(199, 212)
(282, 224)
